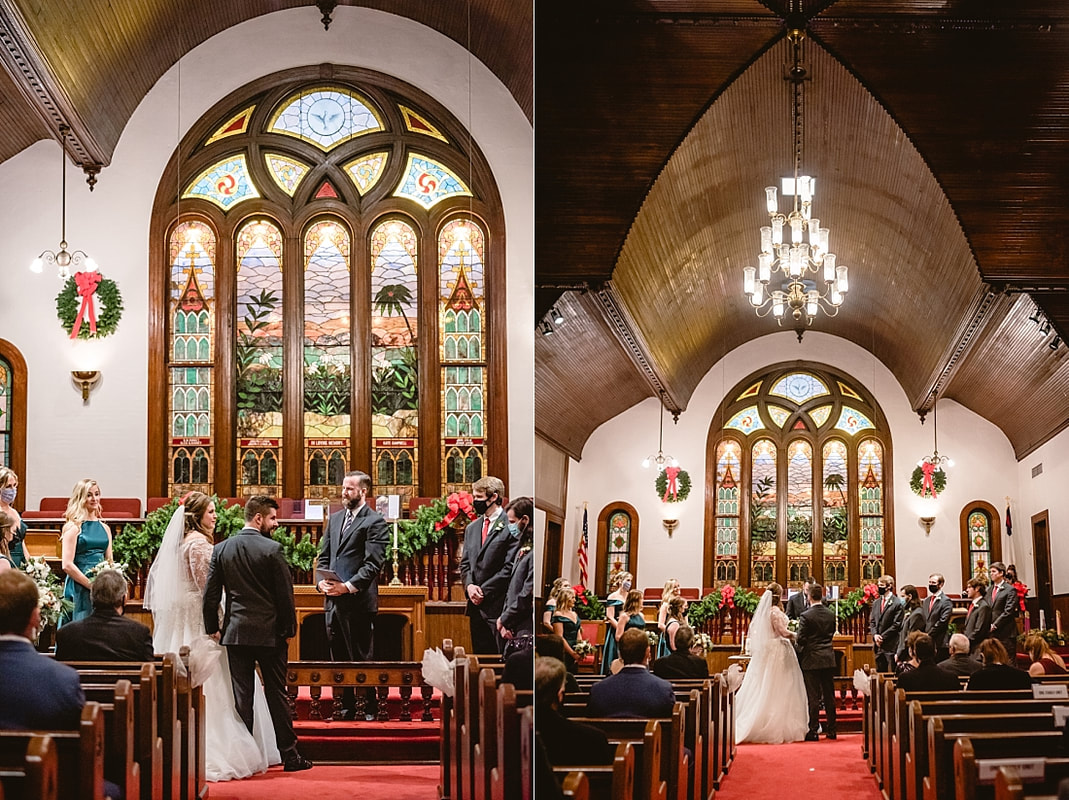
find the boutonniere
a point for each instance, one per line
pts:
(523, 551)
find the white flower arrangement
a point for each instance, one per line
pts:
(703, 642)
(49, 589)
(119, 566)
(583, 648)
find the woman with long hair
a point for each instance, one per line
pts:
(85, 541)
(677, 607)
(670, 590)
(998, 672)
(551, 602)
(566, 625)
(6, 525)
(1044, 660)
(912, 620)
(620, 585)
(771, 705)
(174, 593)
(9, 489)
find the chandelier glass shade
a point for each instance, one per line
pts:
(64, 260)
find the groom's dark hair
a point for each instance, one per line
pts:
(258, 504)
(816, 593)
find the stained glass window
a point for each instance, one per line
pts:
(763, 521)
(286, 171)
(6, 397)
(258, 358)
(618, 553)
(870, 507)
(979, 522)
(191, 357)
(238, 123)
(327, 361)
(325, 116)
(394, 357)
(428, 182)
(417, 123)
(779, 415)
(463, 356)
(851, 420)
(225, 184)
(799, 510)
(728, 473)
(747, 420)
(366, 170)
(820, 415)
(799, 387)
(835, 513)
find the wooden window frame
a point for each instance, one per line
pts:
(602, 550)
(19, 378)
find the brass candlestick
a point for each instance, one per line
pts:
(396, 580)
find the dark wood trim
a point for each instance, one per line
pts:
(19, 394)
(552, 550)
(1044, 518)
(602, 550)
(995, 535)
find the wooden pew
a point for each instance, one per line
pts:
(117, 702)
(646, 736)
(575, 786)
(970, 749)
(527, 740)
(615, 781)
(1010, 786)
(446, 731)
(36, 776)
(506, 774)
(79, 754)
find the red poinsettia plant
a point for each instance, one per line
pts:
(1022, 591)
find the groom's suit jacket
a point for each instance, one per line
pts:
(259, 591)
(489, 564)
(816, 627)
(356, 553)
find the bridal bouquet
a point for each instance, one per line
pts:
(119, 566)
(49, 589)
(703, 642)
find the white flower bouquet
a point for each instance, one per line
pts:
(703, 642)
(583, 648)
(119, 566)
(49, 589)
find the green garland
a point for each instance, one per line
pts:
(683, 479)
(109, 307)
(939, 480)
(417, 533)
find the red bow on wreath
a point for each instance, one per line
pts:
(459, 503)
(87, 284)
(928, 485)
(673, 486)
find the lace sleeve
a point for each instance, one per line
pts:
(779, 624)
(200, 557)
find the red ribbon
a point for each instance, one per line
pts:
(459, 503)
(928, 485)
(672, 488)
(87, 284)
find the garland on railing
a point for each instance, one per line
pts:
(853, 602)
(727, 596)
(587, 604)
(430, 523)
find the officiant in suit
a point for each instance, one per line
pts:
(799, 601)
(816, 656)
(258, 619)
(486, 565)
(354, 547)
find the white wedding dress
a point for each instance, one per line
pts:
(231, 751)
(771, 705)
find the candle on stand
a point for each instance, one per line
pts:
(395, 534)
(1058, 621)
(1042, 618)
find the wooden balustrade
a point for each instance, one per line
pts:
(380, 676)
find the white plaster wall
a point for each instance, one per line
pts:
(985, 467)
(106, 439)
(1045, 492)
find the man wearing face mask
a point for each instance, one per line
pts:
(937, 610)
(516, 623)
(886, 624)
(486, 565)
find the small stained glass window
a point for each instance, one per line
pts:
(820, 415)
(851, 420)
(979, 523)
(618, 555)
(366, 170)
(286, 171)
(325, 117)
(417, 123)
(799, 387)
(225, 183)
(747, 420)
(238, 123)
(428, 182)
(779, 415)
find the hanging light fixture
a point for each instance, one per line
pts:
(937, 461)
(660, 460)
(804, 262)
(64, 260)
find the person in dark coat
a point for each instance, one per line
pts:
(567, 742)
(978, 617)
(937, 611)
(633, 691)
(926, 676)
(960, 662)
(997, 672)
(799, 601)
(681, 663)
(1004, 605)
(885, 624)
(912, 620)
(516, 623)
(816, 656)
(105, 635)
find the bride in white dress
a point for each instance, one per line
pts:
(174, 592)
(771, 705)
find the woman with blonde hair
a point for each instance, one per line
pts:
(551, 602)
(566, 625)
(677, 607)
(9, 489)
(6, 525)
(1044, 660)
(619, 584)
(85, 541)
(670, 590)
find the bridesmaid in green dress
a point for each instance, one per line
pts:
(566, 625)
(631, 615)
(85, 541)
(620, 584)
(9, 488)
(670, 590)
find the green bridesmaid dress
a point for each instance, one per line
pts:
(90, 550)
(610, 652)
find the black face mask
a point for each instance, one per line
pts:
(881, 589)
(933, 588)
(480, 506)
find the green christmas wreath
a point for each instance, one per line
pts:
(939, 481)
(682, 486)
(109, 306)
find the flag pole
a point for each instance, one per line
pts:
(1009, 536)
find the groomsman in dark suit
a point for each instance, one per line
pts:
(486, 565)
(937, 610)
(354, 547)
(978, 617)
(799, 601)
(885, 624)
(816, 657)
(1004, 604)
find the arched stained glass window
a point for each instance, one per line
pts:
(981, 539)
(979, 543)
(813, 461)
(618, 558)
(325, 116)
(225, 184)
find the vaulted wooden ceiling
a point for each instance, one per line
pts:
(939, 137)
(88, 64)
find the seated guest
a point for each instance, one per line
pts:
(996, 672)
(550, 645)
(960, 662)
(1044, 660)
(39, 693)
(926, 676)
(567, 742)
(682, 663)
(105, 635)
(633, 691)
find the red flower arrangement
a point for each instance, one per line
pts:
(727, 596)
(1021, 590)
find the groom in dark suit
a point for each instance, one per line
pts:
(258, 619)
(354, 547)
(816, 656)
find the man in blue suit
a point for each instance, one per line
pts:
(634, 691)
(56, 701)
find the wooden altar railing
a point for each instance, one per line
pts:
(731, 624)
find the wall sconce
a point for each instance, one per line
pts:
(670, 525)
(85, 378)
(927, 522)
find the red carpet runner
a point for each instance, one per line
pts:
(322, 782)
(824, 769)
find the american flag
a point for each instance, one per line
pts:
(583, 542)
